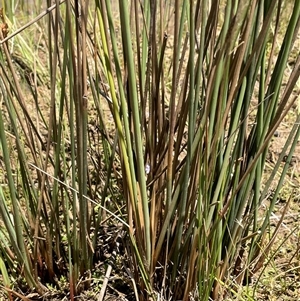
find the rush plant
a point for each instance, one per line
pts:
(160, 111)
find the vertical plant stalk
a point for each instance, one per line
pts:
(172, 105)
(133, 99)
(124, 140)
(81, 14)
(52, 229)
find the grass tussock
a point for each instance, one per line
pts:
(136, 135)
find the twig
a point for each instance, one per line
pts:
(105, 282)
(76, 191)
(133, 283)
(40, 16)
